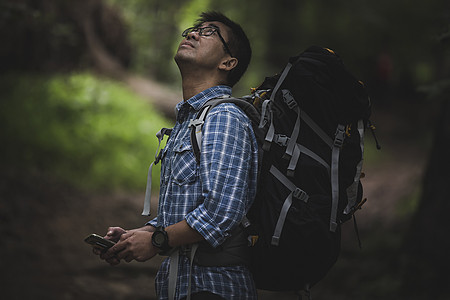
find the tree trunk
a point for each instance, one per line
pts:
(428, 242)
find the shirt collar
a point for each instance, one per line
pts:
(197, 101)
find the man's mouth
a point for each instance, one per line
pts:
(186, 44)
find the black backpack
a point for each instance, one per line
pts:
(309, 121)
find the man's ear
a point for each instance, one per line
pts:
(228, 64)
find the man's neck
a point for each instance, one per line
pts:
(194, 83)
(192, 89)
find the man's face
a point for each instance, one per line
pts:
(206, 51)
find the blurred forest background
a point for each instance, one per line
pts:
(85, 85)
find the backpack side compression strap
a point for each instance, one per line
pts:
(270, 132)
(295, 192)
(352, 190)
(338, 141)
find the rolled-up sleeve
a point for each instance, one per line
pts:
(226, 169)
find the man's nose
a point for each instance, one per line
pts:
(193, 34)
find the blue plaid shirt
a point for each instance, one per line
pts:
(212, 196)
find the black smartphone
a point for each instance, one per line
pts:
(99, 242)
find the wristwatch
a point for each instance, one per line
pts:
(160, 240)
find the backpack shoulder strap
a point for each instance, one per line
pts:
(196, 124)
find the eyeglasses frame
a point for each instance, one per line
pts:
(200, 33)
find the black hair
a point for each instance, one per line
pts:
(237, 42)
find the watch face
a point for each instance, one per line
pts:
(159, 238)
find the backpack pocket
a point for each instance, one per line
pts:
(306, 252)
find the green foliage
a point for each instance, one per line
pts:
(153, 34)
(190, 12)
(94, 133)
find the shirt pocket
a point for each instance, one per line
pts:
(184, 165)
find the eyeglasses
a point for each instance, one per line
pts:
(207, 31)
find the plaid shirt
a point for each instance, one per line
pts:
(212, 196)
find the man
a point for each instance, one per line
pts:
(202, 203)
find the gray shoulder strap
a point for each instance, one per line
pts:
(197, 123)
(173, 269)
(196, 126)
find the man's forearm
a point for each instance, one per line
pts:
(182, 234)
(148, 228)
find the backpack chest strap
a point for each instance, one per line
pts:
(158, 156)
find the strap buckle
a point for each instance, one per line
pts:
(281, 139)
(339, 136)
(300, 195)
(289, 99)
(195, 123)
(158, 157)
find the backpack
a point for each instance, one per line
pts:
(309, 121)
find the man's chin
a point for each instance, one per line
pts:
(182, 56)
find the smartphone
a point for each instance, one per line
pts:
(99, 242)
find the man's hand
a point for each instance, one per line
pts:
(133, 245)
(114, 233)
(119, 235)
